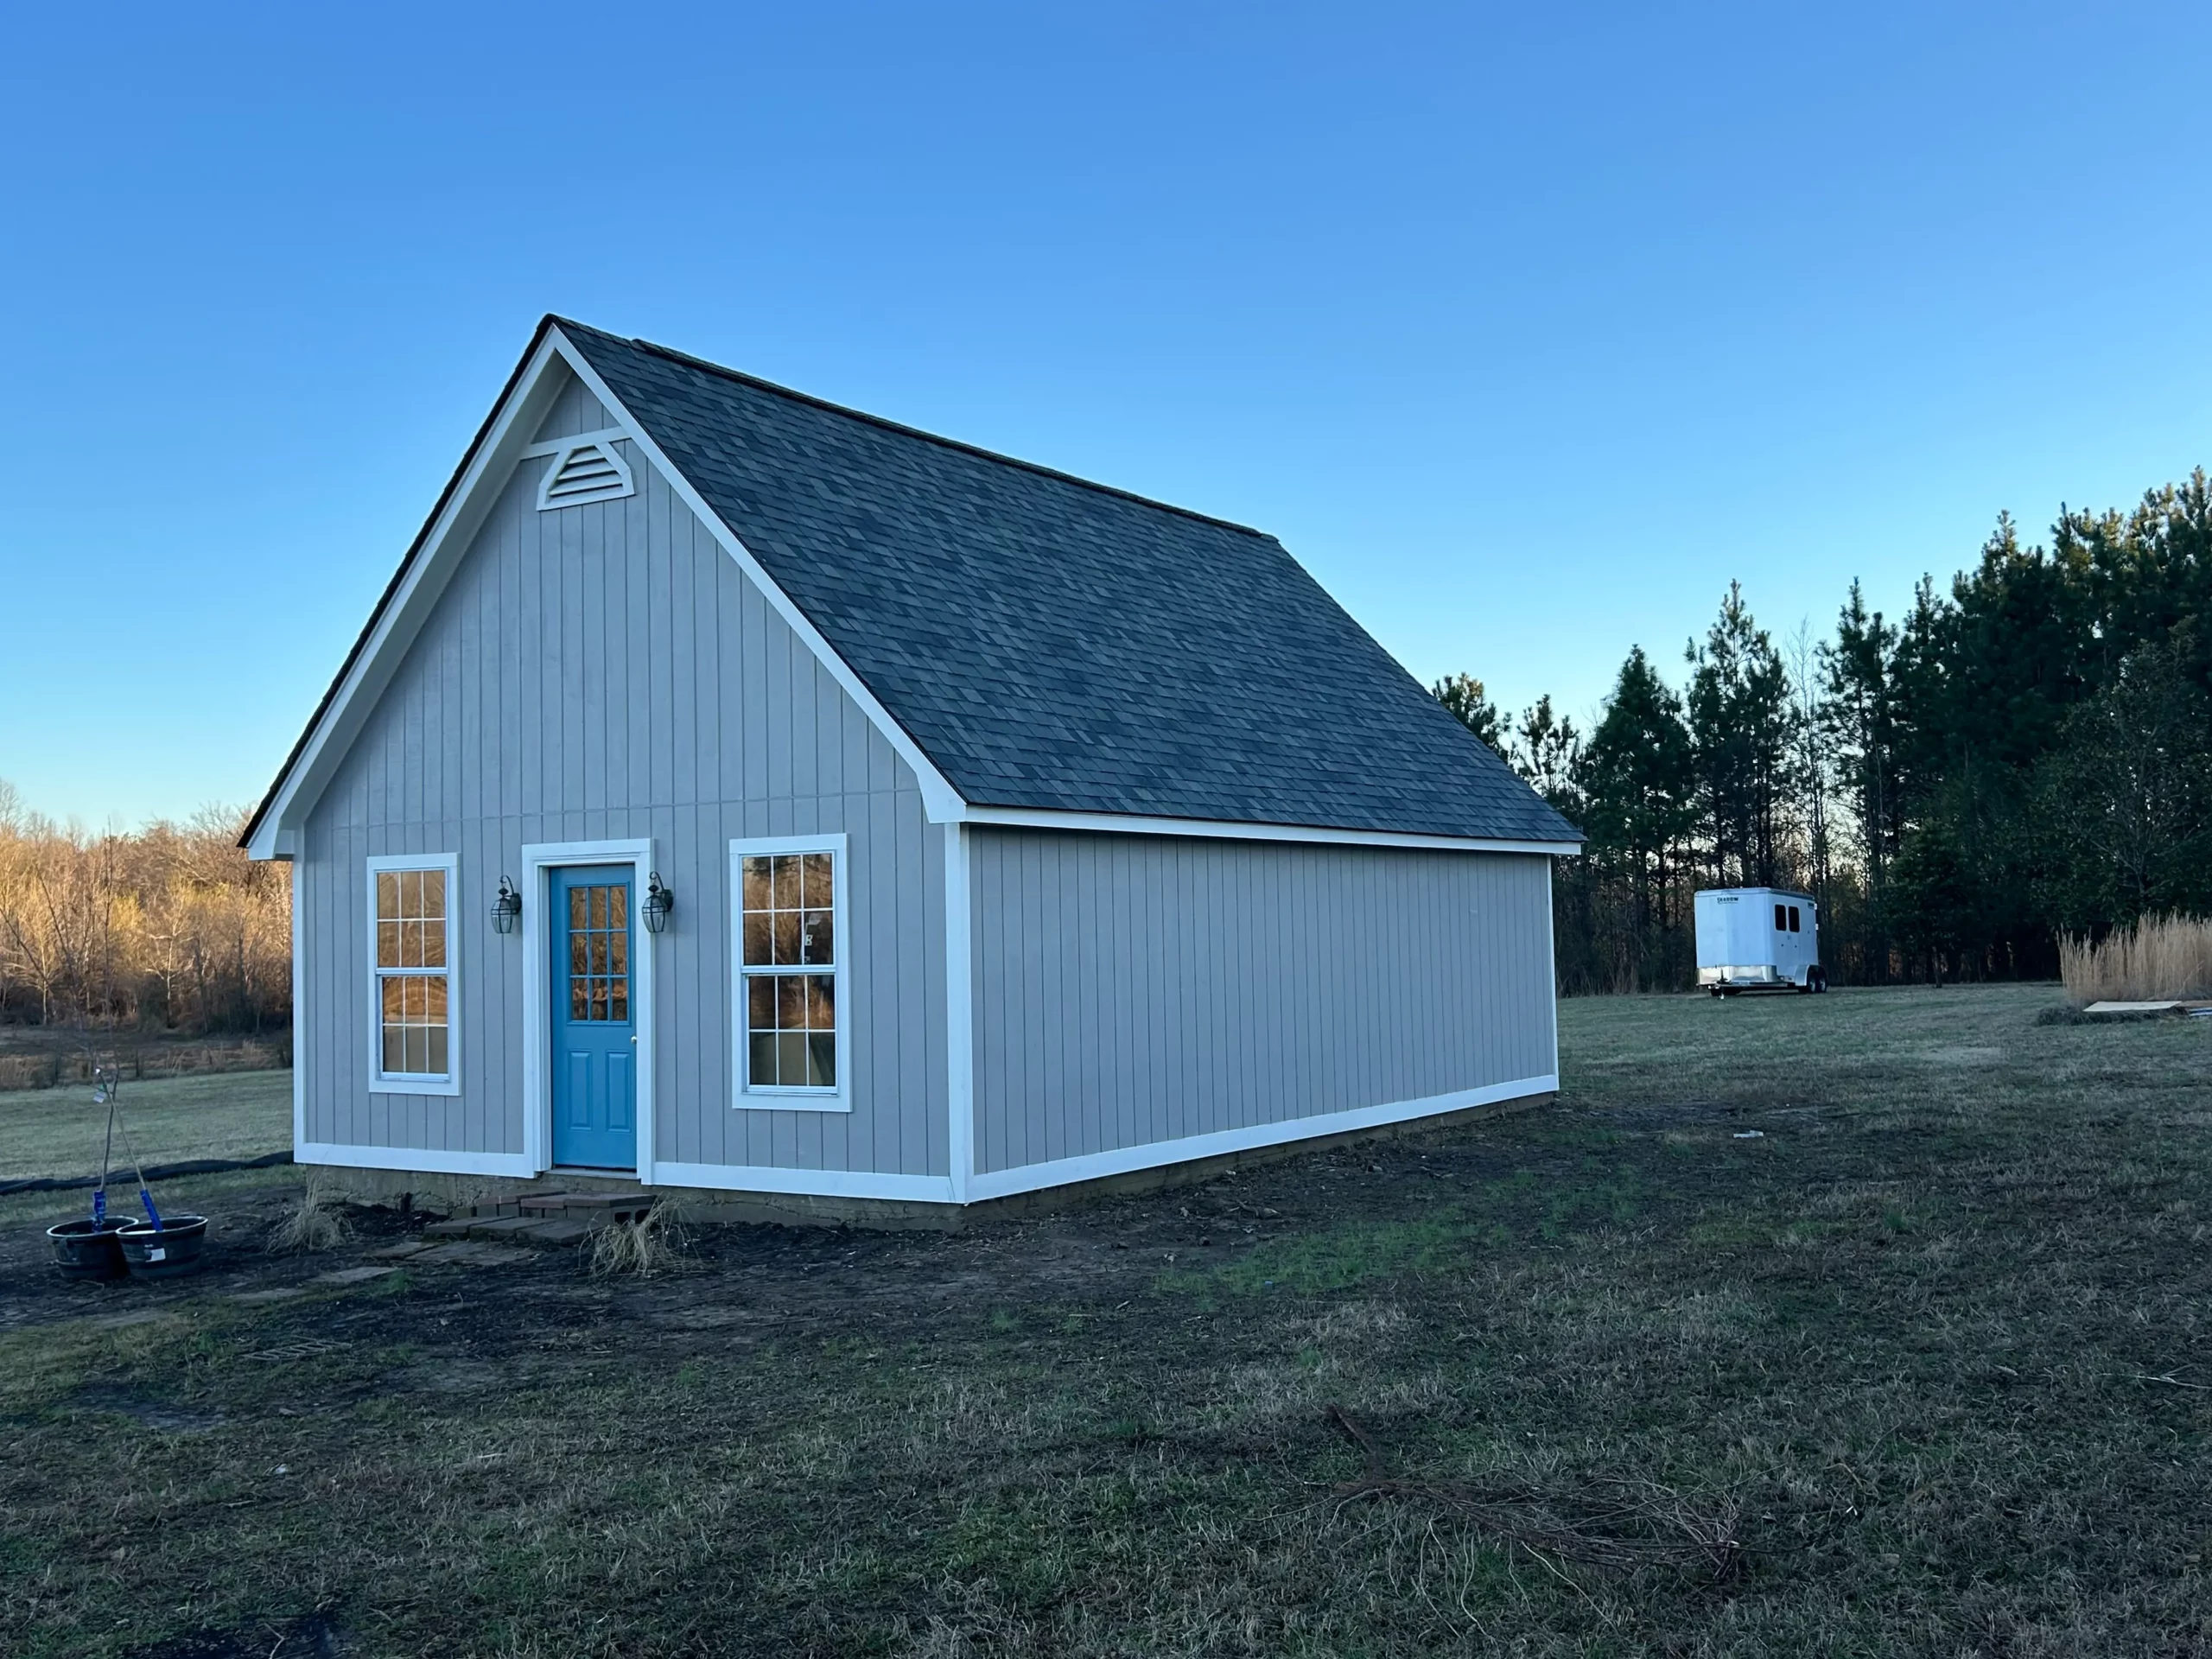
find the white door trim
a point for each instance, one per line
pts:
(537, 859)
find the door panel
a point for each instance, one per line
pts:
(594, 1034)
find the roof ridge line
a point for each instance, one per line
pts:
(903, 429)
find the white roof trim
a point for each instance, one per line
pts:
(503, 445)
(942, 802)
(1120, 824)
(466, 507)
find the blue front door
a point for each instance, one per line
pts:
(595, 1029)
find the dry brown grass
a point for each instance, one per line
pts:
(653, 1243)
(2161, 957)
(317, 1223)
(1920, 1370)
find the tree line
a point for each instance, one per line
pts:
(2024, 757)
(168, 928)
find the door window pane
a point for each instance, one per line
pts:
(598, 953)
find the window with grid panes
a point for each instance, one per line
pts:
(598, 953)
(414, 978)
(788, 955)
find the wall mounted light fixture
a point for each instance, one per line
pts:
(506, 909)
(659, 902)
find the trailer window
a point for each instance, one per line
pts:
(1782, 918)
(1794, 927)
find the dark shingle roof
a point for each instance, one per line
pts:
(1053, 644)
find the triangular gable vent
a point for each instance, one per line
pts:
(586, 471)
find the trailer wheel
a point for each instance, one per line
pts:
(1819, 980)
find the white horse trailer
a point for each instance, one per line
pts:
(1758, 939)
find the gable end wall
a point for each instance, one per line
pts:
(607, 672)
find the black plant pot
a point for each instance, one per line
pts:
(88, 1248)
(165, 1251)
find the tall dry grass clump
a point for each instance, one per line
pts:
(653, 1243)
(318, 1224)
(2159, 958)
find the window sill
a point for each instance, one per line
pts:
(791, 1100)
(448, 1087)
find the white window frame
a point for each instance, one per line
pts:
(744, 1095)
(401, 1082)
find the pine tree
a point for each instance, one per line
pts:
(1636, 781)
(1547, 752)
(1858, 717)
(1740, 718)
(1464, 695)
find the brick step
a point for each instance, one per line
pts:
(637, 1202)
(605, 1206)
(547, 1230)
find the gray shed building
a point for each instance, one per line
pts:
(1008, 830)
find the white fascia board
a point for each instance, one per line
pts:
(940, 801)
(806, 1183)
(1031, 1178)
(409, 1160)
(1117, 823)
(465, 510)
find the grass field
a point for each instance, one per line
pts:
(1868, 1324)
(58, 1132)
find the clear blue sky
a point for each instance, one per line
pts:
(1526, 327)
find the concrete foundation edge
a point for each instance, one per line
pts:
(448, 1194)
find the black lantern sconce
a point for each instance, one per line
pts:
(506, 909)
(659, 902)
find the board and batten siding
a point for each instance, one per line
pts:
(1134, 989)
(607, 672)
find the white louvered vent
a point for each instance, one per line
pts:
(588, 470)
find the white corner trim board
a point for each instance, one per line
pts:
(959, 1009)
(428, 1159)
(1031, 1178)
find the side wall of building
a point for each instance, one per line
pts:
(607, 672)
(1130, 990)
